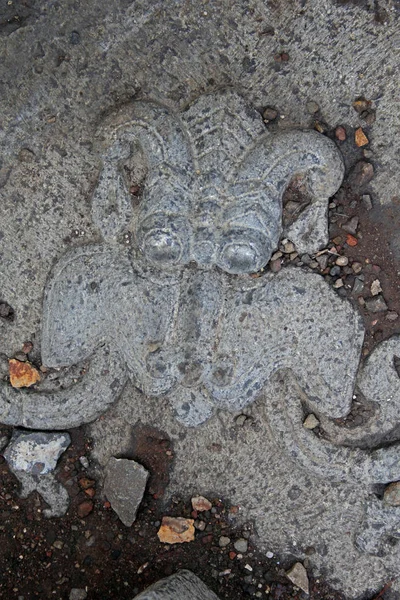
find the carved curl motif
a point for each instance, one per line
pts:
(177, 313)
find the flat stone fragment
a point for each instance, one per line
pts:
(298, 576)
(124, 486)
(77, 594)
(376, 304)
(176, 530)
(22, 374)
(180, 586)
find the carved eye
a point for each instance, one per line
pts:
(243, 251)
(162, 247)
(164, 240)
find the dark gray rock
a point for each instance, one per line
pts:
(124, 486)
(181, 586)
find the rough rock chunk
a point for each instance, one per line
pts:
(176, 530)
(22, 374)
(124, 486)
(181, 586)
(298, 576)
(32, 457)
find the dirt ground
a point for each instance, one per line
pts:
(46, 558)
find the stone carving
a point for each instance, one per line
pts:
(167, 312)
(176, 311)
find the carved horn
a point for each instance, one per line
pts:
(70, 407)
(253, 223)
(163, 231)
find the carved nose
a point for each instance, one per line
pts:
(192, 372)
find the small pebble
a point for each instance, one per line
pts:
(376, 287)
(270, 114)
(342, 261)
(275, 265)
(367, 201)
(288, 248)
(77, 594)
(269, 554)
(357, 267)
(224, 541)
(340, 133)
(338, 284)
(376, 304)
(311, 422)
(241, 545)
(391, 316)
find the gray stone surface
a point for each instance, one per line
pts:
(65, 69)
(124, 486)
(181, 586)
(33, 457)
(212, 194)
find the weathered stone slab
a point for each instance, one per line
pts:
(124, 486)
(181, 586)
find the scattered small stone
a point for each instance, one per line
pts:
(361, 174)
(176, 530)
(358, 287)
(338, 284)
(340, 133)
(376, 304)
(351, 240)
(293, 255)
(85, 508)
(201, 504)
(124, 486)
(360, 138)
(86, 483)
(58, 544)
(270, 114)
(391, 495)
(357, 267)
(77, 594)
(22, 374)
(391, 316)
(342, 261)
(84, 462)
(376, 287)
(276, 255)
(275, 265)
(200, 525)
(288, 248)
(322, 261)
(369, 116)
(27, 347)
(305, 259)
(312, 107)
(224, 541)
(360, 104)
(241, 545)
(248, 567)
(241, 420)
(269, 554)
(311, 422)
(335, 271)
(321, 127)
(367, 202)
(298, 576)
(351, 225)
(21, 356)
